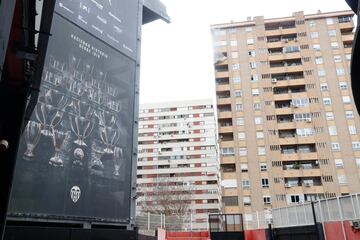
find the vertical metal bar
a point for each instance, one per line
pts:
(322, 221)
(341, 217)
(148, 222)
(353, 206)
(357, 202)
(315, 221)
(257, 219)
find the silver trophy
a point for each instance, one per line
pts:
(106, 118)
(32, 136)
(81, 109)
(59, 139)
(81, 127)
(97, 152)
(76, 88)
(48, 116)
(55, 98)
(118, 157)
(109, 136)
(96, 96)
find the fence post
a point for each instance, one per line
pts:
(341, 217)
(315, 222)
(148, 220)
(161, 222)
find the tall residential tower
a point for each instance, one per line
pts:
(178, 154)
(288, 128)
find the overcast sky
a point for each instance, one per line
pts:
(177, 58)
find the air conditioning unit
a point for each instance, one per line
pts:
(308, 120)
(307, 184)
(288, 185)
(274, 80)
(286, 41)
(355, 224)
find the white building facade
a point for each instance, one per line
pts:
(178, 145)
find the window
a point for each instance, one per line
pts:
(339, 163)
(233, 43)
(332, 131)
(342, 179)
(250, 41)
(261, 151)
(254, 78)
(349, 114)
(332, 33)
(340, 71)
(253, 65)
(337, 58)
(327, 101)
(305, 132)
(252, 53)
(316, 47)
(334, 45)
(263, 167)
(294, 198)
(238, 107)
(314, 34)
(229, 183)
(227, 151)
(235, 66)
(245, 183)
(343, 85)
(230, 201)
(247, 200)
(348, 57)
(244, 167)
(357, 160)
(346, 99)
(321, 73)
(329, 115)
(319, 60)
(241, 136)
(255, 92)
(242, 151)
(352, 130)
(259, 135)
(240, 121)
(312, 23)
(232, 30)
(335, 146)
(236, 79)
(248, 29)
(238, 93)
(234, 55)
(257, 106)
(356, 145)
(323, 87)
(300, 117)
(267, 199)
(329, 21)
(258, 120)
(264, 182)
(300, 102)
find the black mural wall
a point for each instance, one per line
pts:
(74, 160)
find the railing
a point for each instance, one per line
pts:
(150, 222)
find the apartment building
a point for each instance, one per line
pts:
(288, 127)
(178, 147)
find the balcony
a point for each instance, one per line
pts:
(221, 74)
(224, 114)
(287, 140)
(346, 25)
(226, 159)
(226, 137)
(284, 110)
(226, 129)
(347, 37)
(222, 87)
(286, 125)
(282, 97)
(223, 100)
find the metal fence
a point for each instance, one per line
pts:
(151, 222)
(326, 210)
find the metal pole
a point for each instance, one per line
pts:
(257, 219)
(341, 217)
(148, 222)
(315, 221)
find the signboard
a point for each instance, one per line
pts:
(74, 160)
(113, 21)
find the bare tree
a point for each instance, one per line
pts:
(169, 196)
